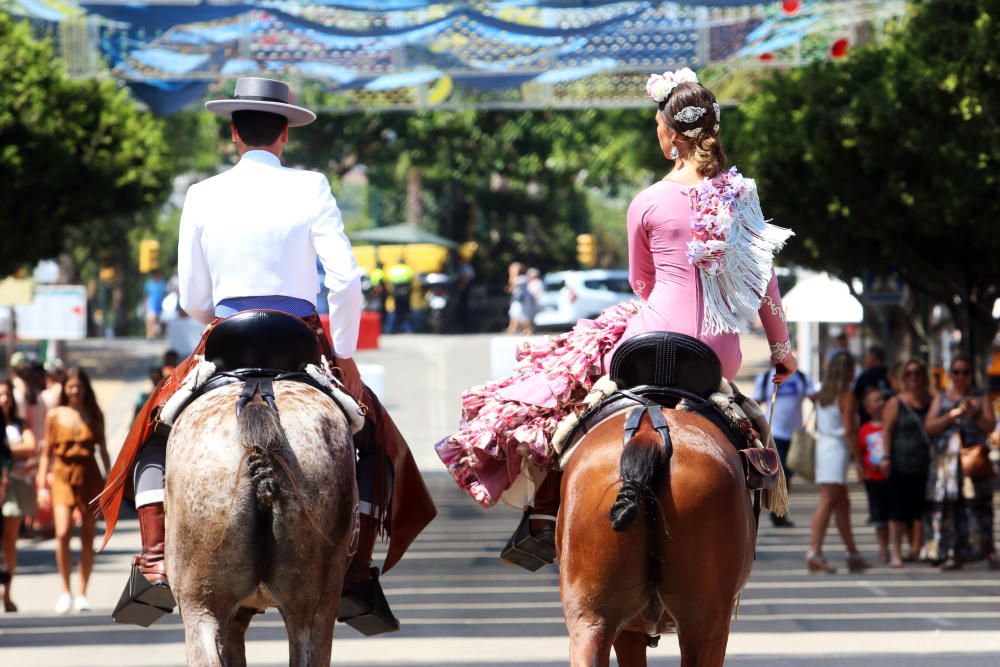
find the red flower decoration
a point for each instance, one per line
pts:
(791, 7)
(767, 57)
(839, 48)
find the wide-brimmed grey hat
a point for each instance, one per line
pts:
(254, 93)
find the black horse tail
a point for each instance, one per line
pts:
(260, 433)
(642, 463)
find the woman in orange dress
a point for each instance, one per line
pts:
(74, 433)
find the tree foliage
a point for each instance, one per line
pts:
(78, 159)
(888, 162)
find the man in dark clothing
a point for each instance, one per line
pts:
(876, 374)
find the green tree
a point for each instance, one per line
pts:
(79, 161)
(887, 163)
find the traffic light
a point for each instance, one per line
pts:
(149, 255)
(586, 251)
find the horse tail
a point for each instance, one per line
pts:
(642, 462)
(260, 433)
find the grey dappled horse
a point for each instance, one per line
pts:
(260, 512)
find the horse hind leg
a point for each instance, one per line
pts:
(204, 636)
(703, 640)
(235, 649)
(630, 649)
(590, 641)
(310, 635)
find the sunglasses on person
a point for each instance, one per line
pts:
(961, 371)
(914, 373)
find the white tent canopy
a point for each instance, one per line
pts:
(816, 298)
(822, 298)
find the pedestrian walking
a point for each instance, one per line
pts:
(908, 449)
(836, 447)
(787, 418)
(19, 501)
(380, 290)
(26, 392)
(534, 290)
(400, 277)
(875, 374)
(74, 436)
(55, 375)
(961, 516)
(876, 465)
(463, 288)
(517, 287)
(155, 290)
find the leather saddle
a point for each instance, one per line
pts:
(665, 368)
(262, 339)
(258, 348)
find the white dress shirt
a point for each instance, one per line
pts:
(256, 230)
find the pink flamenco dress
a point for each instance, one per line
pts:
(700, 259)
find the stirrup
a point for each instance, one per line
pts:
(365, 608)
(529, 551)
(143, 603)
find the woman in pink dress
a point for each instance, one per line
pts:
(701, 260)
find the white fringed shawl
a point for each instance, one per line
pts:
(732, 294)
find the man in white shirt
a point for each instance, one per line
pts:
(249, 239)
(787, 417)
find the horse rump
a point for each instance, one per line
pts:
(642, 463)
(260, 434)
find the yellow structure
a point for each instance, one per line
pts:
(149, 255)
(421, 257)
(586, 250)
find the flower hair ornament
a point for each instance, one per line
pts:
(659, 86)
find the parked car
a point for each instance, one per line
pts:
(574, 295)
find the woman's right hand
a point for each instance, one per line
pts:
(784, 368)
(44, 498)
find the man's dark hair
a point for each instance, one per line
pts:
(878, 353)
(259, 128)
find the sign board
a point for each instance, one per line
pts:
(58, 312)
(16, 290)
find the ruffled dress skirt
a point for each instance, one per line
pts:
(503, 447)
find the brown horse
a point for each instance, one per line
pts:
(261, 512)
(651, 541)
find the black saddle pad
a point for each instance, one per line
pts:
(666, 359)
(262, 339)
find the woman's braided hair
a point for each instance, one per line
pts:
(691, 111)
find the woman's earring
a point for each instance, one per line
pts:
(674, 154)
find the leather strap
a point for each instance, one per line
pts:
(660, 424)
(632, 422)
(253, 386)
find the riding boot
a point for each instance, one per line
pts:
(151, 529)
(533, 544)
(363, 605)
(147, 595)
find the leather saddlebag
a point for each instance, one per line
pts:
(760, 467)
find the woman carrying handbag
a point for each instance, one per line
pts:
(960, 485)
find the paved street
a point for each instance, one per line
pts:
(460, 606)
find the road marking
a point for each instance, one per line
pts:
(505, 650)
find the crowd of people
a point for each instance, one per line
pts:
(923, 458)
(53, 432)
